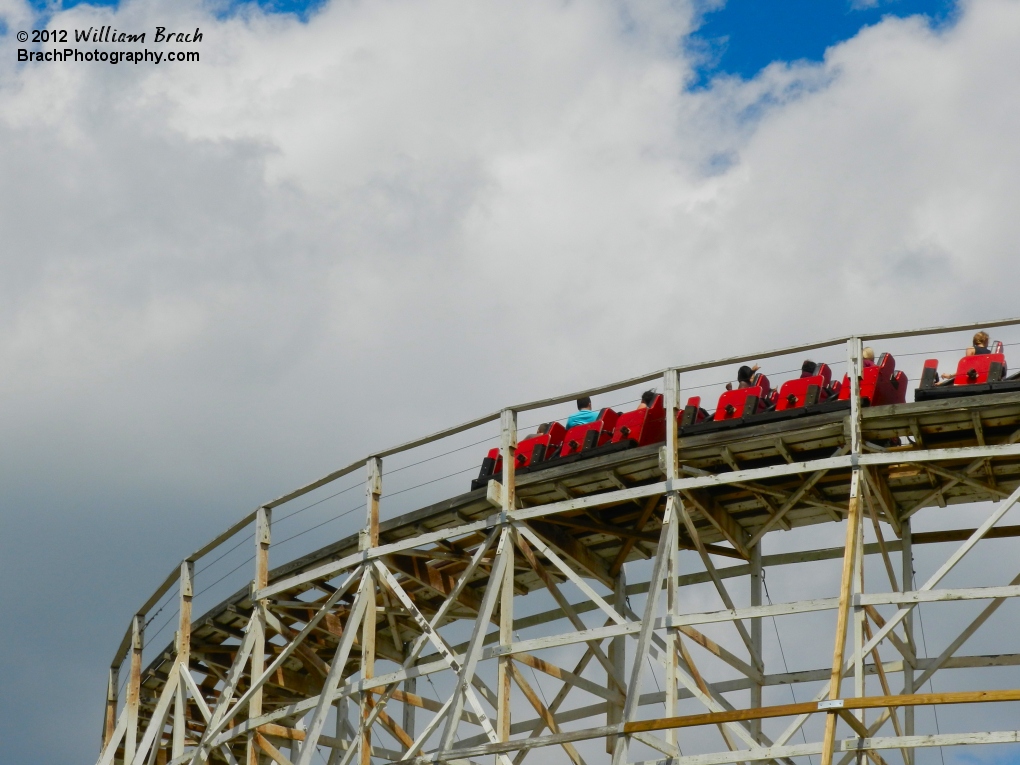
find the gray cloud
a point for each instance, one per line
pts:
(222, 280)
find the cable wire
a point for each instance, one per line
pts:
(924, 647)
(782, 653)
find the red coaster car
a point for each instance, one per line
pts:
(589, 435)
(536, 449)
(880, 384)
(531, 453)
(492, 467)
(985, 373)
(807, 391)
(642, 426)
(693, 413)
(735, 408)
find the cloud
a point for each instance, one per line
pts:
(221, 279)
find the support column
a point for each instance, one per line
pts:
(263, 526)
(756, 638)
(134, 686)
(671, 401)
(110, 719)
(369, 538)
(617, 658)
(672, 636)
(859, 617)
(184, 653)
(850, 555)
(508, 447)
(907, 583)
(411, 687)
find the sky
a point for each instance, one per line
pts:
(353, 223)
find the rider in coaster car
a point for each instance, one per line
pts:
(745, 376)
(869, 357)
(647, 398)
(980, 348)
(584, 413)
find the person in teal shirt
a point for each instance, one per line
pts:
(583, 415)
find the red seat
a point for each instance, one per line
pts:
(974, 370)
(744, 402)
(538, 448)
(589, 435)
(693, 413)
(805, 391)
(642, 426)
(880, 384)
(492, 467)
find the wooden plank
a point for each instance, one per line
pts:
(723, 522)
(329, 570)
(572, 549)
(270, 751)
(853, 539)
(336, 669)
(937, 596)
(134, 686)
(967, 327)
(646, 513)
(504, 669)
(544, 713)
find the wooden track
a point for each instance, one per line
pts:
(596, 516)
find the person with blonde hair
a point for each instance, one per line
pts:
(869, 357)
(980, 346)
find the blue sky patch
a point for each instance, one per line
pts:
(744, 36)
(740, 38)
(301, 8)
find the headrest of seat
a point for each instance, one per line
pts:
(995, 346)
(761, 381)
(886, 360)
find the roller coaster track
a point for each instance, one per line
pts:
(323, 658)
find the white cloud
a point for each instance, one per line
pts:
(330, 236)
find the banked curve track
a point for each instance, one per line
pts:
(611, 609)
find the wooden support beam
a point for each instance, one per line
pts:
(506, 630)
(796, 497)
(369, 540)
(756, 637)
(644, 640)
(842, 615)
(110, 718)
(134, 686)
(546, 716)
(568, 610)
(439, 580)
(257, 626)
(571, 548)
(336, 669)
(183, 652)
(723, 522)
(907, 578)
(271, 751)
(646, 513)
(880, 488)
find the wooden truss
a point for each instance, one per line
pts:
(328, 659)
